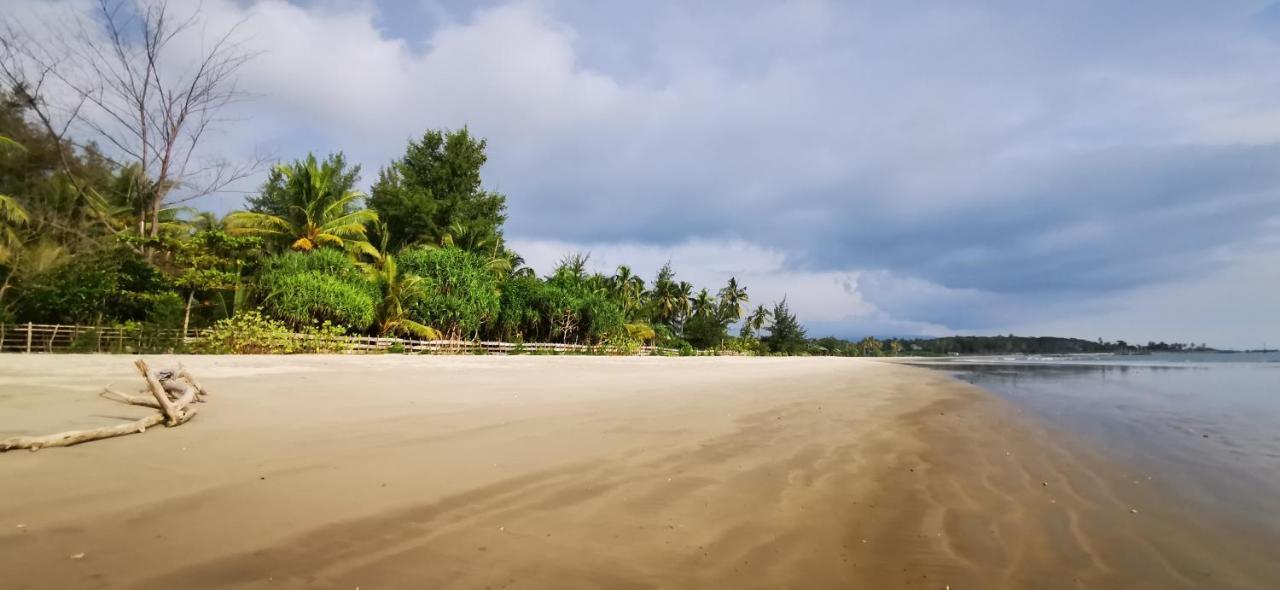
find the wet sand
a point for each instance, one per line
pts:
(575, 472)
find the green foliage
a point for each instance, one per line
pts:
(279, 193)
(247, 332)
(460, 295)
(785, 334)
(433, 195)
(250, 332)
(320, 209)
(399, 290)
(640, 332)
(523, 301)
(75, 247)
(744, 346)
(705, 330)
(579, 306)
(308, 288)
(112, 285)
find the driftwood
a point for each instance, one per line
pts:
(171, 393)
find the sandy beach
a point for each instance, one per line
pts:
(578, 472)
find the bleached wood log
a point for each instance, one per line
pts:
(200, 390)
(185, 398)
(125, 398)
(66, 439)
(162, 397)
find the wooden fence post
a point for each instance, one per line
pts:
(28, 337)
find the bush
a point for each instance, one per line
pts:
(112, 284)
(249, 332)
(461, 292)
(640, 332)
(304, 289)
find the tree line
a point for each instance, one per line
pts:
(423, 255)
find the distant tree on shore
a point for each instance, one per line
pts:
(786, 335)
(433, 194)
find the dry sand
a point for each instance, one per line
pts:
(574, 472)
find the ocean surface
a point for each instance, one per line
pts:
(1206, 423)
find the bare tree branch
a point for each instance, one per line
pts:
(120, 82)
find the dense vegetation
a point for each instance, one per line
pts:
(424, 256)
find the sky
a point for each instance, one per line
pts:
(1075, 168)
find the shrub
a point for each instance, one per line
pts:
(305, 289)
(247, 332)
(113, 283)
(461, 293)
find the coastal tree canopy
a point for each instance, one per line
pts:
(433, 194)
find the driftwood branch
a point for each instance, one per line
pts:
(172, 411)
(65, 439)
(200, 390)
(125, 398)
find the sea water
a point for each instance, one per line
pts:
(1206, 423)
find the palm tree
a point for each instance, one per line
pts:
(399, 291)
(208, 221)
(702, 304)
(629, 289)
(12, 215)
(732, 296)
(319, 215)
(686, 297)
(755, 321)
(621, 278)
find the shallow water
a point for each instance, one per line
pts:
(1206, 423)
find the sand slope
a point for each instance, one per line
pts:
(571, 472)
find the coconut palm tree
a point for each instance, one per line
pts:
(732, 296)
(629, 289)
(399, 290)
(755, 321)
(686, 297)
(208, 221)
(12, 215)
(702, 303)
(320, 215)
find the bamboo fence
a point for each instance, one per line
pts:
(60, 338)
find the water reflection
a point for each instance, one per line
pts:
(1210, 428)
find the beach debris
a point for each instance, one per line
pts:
(20, 526)
(78, 556)
(1044, 483)
(1133, 510)
(172, 391)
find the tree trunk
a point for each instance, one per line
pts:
(186, 316)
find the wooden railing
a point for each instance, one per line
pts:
(31, 337)
(50, 338)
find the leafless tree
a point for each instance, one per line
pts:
(122, 78)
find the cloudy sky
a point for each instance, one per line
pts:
(1080, 168)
